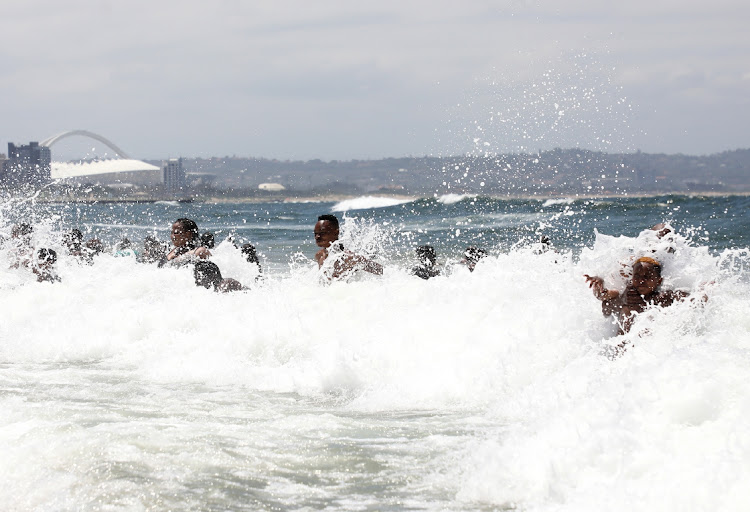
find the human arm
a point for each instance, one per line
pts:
(321, 256)
(610, 298)
(350, 261)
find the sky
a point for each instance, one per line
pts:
(336, 80)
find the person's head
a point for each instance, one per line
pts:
(73, 239)
(95, 246)
(426, 254)
(46, 258)
(184, 233)
(646, 275)
(661, 229)
(152, 248)
(207, 274)
(207, 240)
(326, 231)
(248, 251)
(22, 232)
(124, 244)
(472, 255)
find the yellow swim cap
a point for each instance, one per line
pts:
(651, 261)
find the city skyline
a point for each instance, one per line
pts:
(336, 81)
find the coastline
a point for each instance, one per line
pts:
(333, 198)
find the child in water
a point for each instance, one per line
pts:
(641, 291)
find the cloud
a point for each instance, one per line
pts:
(335, 79)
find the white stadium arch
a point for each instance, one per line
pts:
(105, 171)
(91, 135)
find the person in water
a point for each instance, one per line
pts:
(326, 232)
(208, 240)
(44, 267)
(472, 255)
(208, 275)
(250, 254)
(427, 261)
(153, 251)
(73, 240)
(124, 248)
(186, 241)
(94, 247)
(22, 252)
(641, 292)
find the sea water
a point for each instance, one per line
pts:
(126, 387)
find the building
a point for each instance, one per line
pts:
(27, 166)
(174, 177)
(271, 187)
(116, 173)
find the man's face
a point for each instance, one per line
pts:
(180, 237)
(325, 234)
(646, 278)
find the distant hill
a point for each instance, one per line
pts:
(559, 171)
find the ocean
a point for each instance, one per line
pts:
(126, 387)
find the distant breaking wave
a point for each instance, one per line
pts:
(551, 202)
(453, 198)
(367, 202)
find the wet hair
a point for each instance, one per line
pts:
(190, 226)
(650, 261)
(73, 239)
(46, 256)
(248, 250)
(474, 254)
(330, 218)
(153, 250)
(125, 243)
(95, 246)
(426, 253)
(207, 274)
(207, 240)
(23, 229)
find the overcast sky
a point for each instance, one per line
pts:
(343, 79)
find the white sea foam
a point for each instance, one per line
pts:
(125, 385)
(453, 198)
(367, 202)
(552, 202)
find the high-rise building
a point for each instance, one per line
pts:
(27, 166)
(174, 177)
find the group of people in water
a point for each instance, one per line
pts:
(642, 289)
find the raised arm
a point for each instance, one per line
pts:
(610, 298)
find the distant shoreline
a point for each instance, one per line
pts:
(334, 198)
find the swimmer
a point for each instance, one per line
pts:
(427, 260)
(94, 247)
(73, 240)
(153, 251)
(184, 236)
(22, 252)
(124, 248)
(207, 240)
(208, 275)
(44, 266)
(641, 291)
(326, 232)
(472, 255)
(248, 251)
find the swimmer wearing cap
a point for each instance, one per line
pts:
(641, 291)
